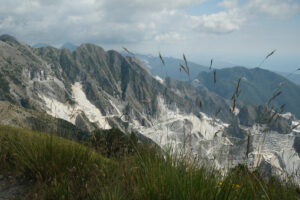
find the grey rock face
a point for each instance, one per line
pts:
(250, 115)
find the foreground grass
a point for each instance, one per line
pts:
(62, 169)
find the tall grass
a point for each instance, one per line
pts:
(66, 170)
(60, 167)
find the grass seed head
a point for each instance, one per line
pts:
(211, 63)
(161, 58)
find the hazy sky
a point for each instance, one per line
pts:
(240, 32)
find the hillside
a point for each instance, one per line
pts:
(294, 77)
(257, 87)
(19, 117)
(36, 165)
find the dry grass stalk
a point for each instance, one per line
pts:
(248, 146)
(295, 126)
(161, 58)
(275, 95)
(197, 100)
(276, 119)
(282, 108)
(215, 76)
(269, 120)
(293, 72)
(233, 105)
(186, 66)
(238, 87)
(218, 111)
(182, 67)
(219, 131)
(281, 84)
(146, 101)
(280, 112)
(185, 60)
(129, 52)
(211, 63)
(236, 94)
(270, 54)
(269, 114)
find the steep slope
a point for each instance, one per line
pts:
(208, 102)
(257, 87)
(15, 116)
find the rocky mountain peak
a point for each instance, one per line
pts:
(9, 39)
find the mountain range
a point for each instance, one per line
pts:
(89, 88)
(257, 86)
(170, 68)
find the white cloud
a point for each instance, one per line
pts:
(121, 21)
(170, 36)
(274, 8)
(219, 23)
(153, 5)
(229, 3)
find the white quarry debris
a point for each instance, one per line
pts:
(159, 79)
(277, 150)
(287, 115)
(236, 111)
(70, 112)
(296, 126)
(58, 109)
(84, 105)
(116, 108)
(173, 129)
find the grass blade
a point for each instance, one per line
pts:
(129, 52)
(215, 76)
(161, 58)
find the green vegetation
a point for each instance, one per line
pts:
(114, 166)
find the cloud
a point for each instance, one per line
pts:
(170, 36)
(219, 23)
(273, 8)
(153, 5)
(126, 21)
(229, 3)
